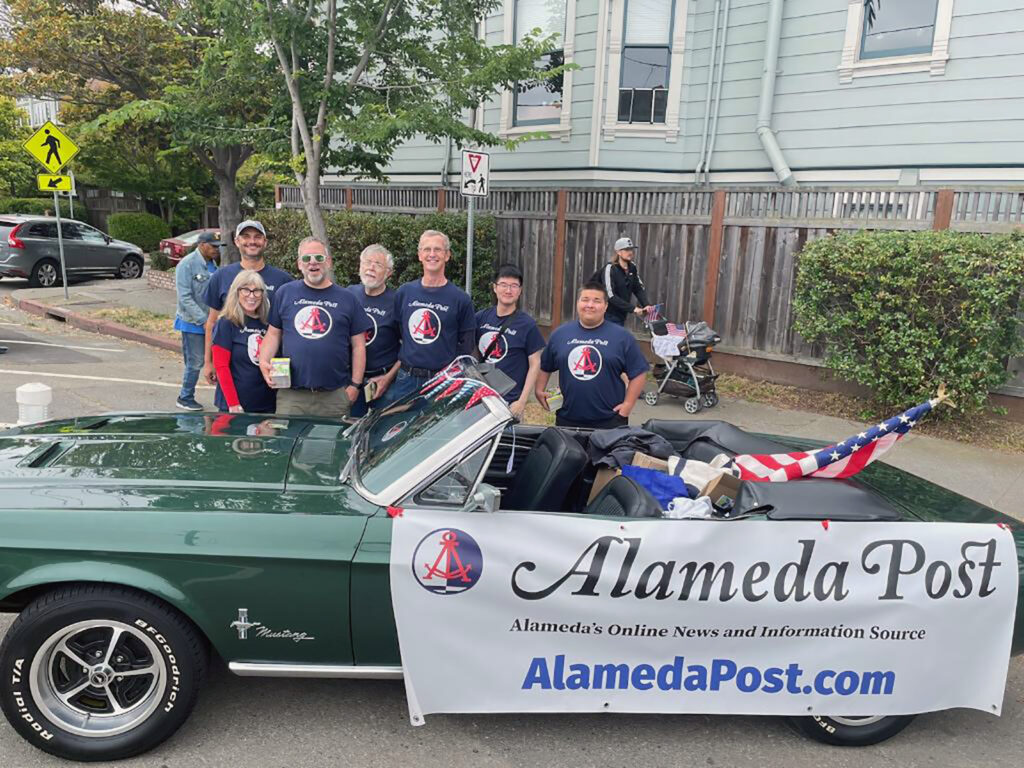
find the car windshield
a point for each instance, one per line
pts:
(447, 416)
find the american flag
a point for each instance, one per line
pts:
(836, 461)
(675, 330)
(652, 314)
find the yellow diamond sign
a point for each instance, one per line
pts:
(51, 183)
(51, 147)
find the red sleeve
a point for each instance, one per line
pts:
(222, 364)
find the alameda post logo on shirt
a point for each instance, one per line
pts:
(371, 334)
(447, 561)
(585, 362)
(312, 322)
(424, 326)
(499, 351)
(253, 344)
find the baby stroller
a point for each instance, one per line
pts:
(687, 371)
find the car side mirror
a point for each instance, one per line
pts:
(107, 237)
(486, 499)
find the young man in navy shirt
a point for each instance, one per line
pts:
(321, 328)
(590, 355)
(510, 338)
(378, 302)
(251, 241)
(436, 319)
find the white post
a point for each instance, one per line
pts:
(469, 246)
(60, 246)
(33, 402)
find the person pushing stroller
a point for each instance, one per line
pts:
(622, 282)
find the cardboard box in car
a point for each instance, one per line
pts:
(723, 491)
(604, 476)
(649, 462)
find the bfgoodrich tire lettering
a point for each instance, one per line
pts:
(99, 673)
(850, 731)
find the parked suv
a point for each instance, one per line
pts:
(28, 248)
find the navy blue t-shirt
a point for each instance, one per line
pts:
(220, 282)
(316, 329)
(244, 343)
(383, 337)
(589, 362)
(431, 321)
(520, 339)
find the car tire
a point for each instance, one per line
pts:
(850, 731)
(64, 699)
(45, 274)
(130, 268)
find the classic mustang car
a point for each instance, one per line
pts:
(134, 545)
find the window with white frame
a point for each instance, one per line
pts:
(646, 59)
(540, 102)
(894, 36)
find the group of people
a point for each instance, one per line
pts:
(367, 345)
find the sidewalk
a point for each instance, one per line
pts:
(991, 478)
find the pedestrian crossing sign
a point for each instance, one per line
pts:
(53, 183)
(51, 147)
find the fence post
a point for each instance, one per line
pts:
(714, 255)
(558, 275)
(348, 198)
(277, 196)
(442, 199)
(943, 209)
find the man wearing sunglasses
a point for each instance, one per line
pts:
(251, 241)
(509, 338)
(321, 328)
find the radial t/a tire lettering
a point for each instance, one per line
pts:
(850, 731)
(94, 673)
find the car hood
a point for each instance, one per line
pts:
(223, 451)
(125, 244)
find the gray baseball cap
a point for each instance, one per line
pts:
(624, 244)
(209, 237)
(250, 224)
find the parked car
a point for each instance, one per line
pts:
(178, 247)
(134, 544)
(29, 248)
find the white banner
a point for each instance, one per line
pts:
(516, 612)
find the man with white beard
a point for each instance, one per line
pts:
(382, 341)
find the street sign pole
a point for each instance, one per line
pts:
(60, 246)
(469, 245)
(71, 195)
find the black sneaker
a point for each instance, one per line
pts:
(189, 405)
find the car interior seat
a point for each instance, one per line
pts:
(544, 479)
(623, 497)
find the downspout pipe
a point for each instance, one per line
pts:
(718, 92)
(766, 102)
(707, 95)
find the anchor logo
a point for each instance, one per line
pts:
(313, 322)
(424, 326)
(585, 362)
(447, 561)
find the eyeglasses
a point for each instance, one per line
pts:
(251, 291)
(508, 286)
(308, 257)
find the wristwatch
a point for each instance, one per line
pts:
(357, 384)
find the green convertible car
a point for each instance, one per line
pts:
(134, 545)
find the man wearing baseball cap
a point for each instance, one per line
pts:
(622, 282)
(251, 240)
(191, 277)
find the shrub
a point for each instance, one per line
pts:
(40, 206)
(902, 312)
(158, 260)
(348, 233)
(142, 229)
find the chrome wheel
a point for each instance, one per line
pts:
(98, 678)
(857, 721)
(46, 274)
(130, 268)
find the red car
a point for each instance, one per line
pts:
(178, 247)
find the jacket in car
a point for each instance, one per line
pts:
(621, 285)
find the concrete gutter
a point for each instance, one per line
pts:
(106, 327)
(766, 103)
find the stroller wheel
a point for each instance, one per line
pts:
(710, 400)
(651, 398)
(691, 405)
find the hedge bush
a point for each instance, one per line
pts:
(142, 229)
(348, 233)
(902, 312)
(39, 206)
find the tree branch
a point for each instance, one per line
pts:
(371, 44)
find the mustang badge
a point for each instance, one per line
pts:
(243, 625)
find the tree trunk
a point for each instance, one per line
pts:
(229, 215)
(310, 186)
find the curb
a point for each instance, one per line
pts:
(92, 325)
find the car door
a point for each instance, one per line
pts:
(92, 255)
(40, 240)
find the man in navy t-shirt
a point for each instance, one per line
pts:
(510, 338)
(321, 328)
(436, 319)
(590, 355)
(251, 241)
(378, 302)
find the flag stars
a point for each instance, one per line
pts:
(835, 455)
(904, 419)
(883, 427)
(862, 436)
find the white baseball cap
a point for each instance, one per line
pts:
(624, 244)
(250, 224)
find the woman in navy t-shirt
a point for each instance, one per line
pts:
(236, 347)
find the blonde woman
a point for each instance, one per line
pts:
(236, 341)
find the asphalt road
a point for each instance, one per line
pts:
(295, 723)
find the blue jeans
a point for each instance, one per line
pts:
(403, 384)
(193, 346)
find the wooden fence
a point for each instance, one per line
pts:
(726, 256)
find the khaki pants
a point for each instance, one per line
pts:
(331, 404)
